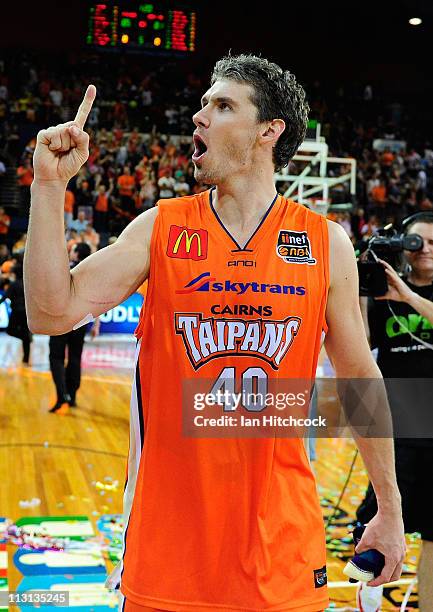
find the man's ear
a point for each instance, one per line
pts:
(273, 131)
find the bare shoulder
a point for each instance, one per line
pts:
(341, 254)
(121, 267)
(140, 230)
(338, 238)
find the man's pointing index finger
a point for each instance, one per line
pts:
(85, 106)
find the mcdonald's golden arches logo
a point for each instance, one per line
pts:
(186, 243)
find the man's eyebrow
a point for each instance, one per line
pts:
(219, 100)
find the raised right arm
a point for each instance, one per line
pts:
(58, 298)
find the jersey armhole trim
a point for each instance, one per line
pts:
(326, 271)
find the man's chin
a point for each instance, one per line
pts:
(200, 175)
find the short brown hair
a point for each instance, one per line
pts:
(277, 95)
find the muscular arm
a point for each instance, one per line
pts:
(349, 352)
(57, 298)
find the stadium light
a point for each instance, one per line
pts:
(415, 21)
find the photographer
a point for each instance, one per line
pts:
(400, 325)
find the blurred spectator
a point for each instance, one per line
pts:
(80, 223)
(2, 170)
(379, 198)
(5, 222)
(428, 155)
(120, 217)
(4, 94)
(421, 183)
(122, 155)
(343, 219)
(370, 227)
(17, 325)
(156, 148)
(133, 143)
(93, 119)
(83, 196)
(4, 254)
(20, 245)
(90, 237)
(126, 188)
(141, 169)
(69, 207)
(148, 191)
(72, 238)
(181, 187)
(172, 116)
(357, 222)
(146, 96)
(368, 93)
(387, 159)
(101, 208)
(6, 270)
(373, 182)
(56, 96)
(166, 184)
(413, 159)
(25, 179)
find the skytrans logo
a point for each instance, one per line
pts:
(206, 282)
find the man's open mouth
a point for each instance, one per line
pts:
(200, 148)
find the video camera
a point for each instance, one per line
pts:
(388, 245)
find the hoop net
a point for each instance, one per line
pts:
(319, 205)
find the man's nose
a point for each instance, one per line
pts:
(201, 119)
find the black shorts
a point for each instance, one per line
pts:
(413, 464)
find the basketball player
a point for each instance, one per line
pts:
(229, 524)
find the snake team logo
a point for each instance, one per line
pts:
(294, 247)
(186, 243)
(207, 338)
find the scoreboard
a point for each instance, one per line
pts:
(136, 25)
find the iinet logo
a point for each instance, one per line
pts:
(206, 282)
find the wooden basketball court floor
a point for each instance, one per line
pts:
(58, 459)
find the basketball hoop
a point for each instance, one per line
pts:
(318, 205)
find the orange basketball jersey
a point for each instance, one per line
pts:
(230, 523)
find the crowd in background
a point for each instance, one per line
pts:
(140, 133)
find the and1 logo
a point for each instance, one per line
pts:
(294, 247)
(186, 243)
(320, 577)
